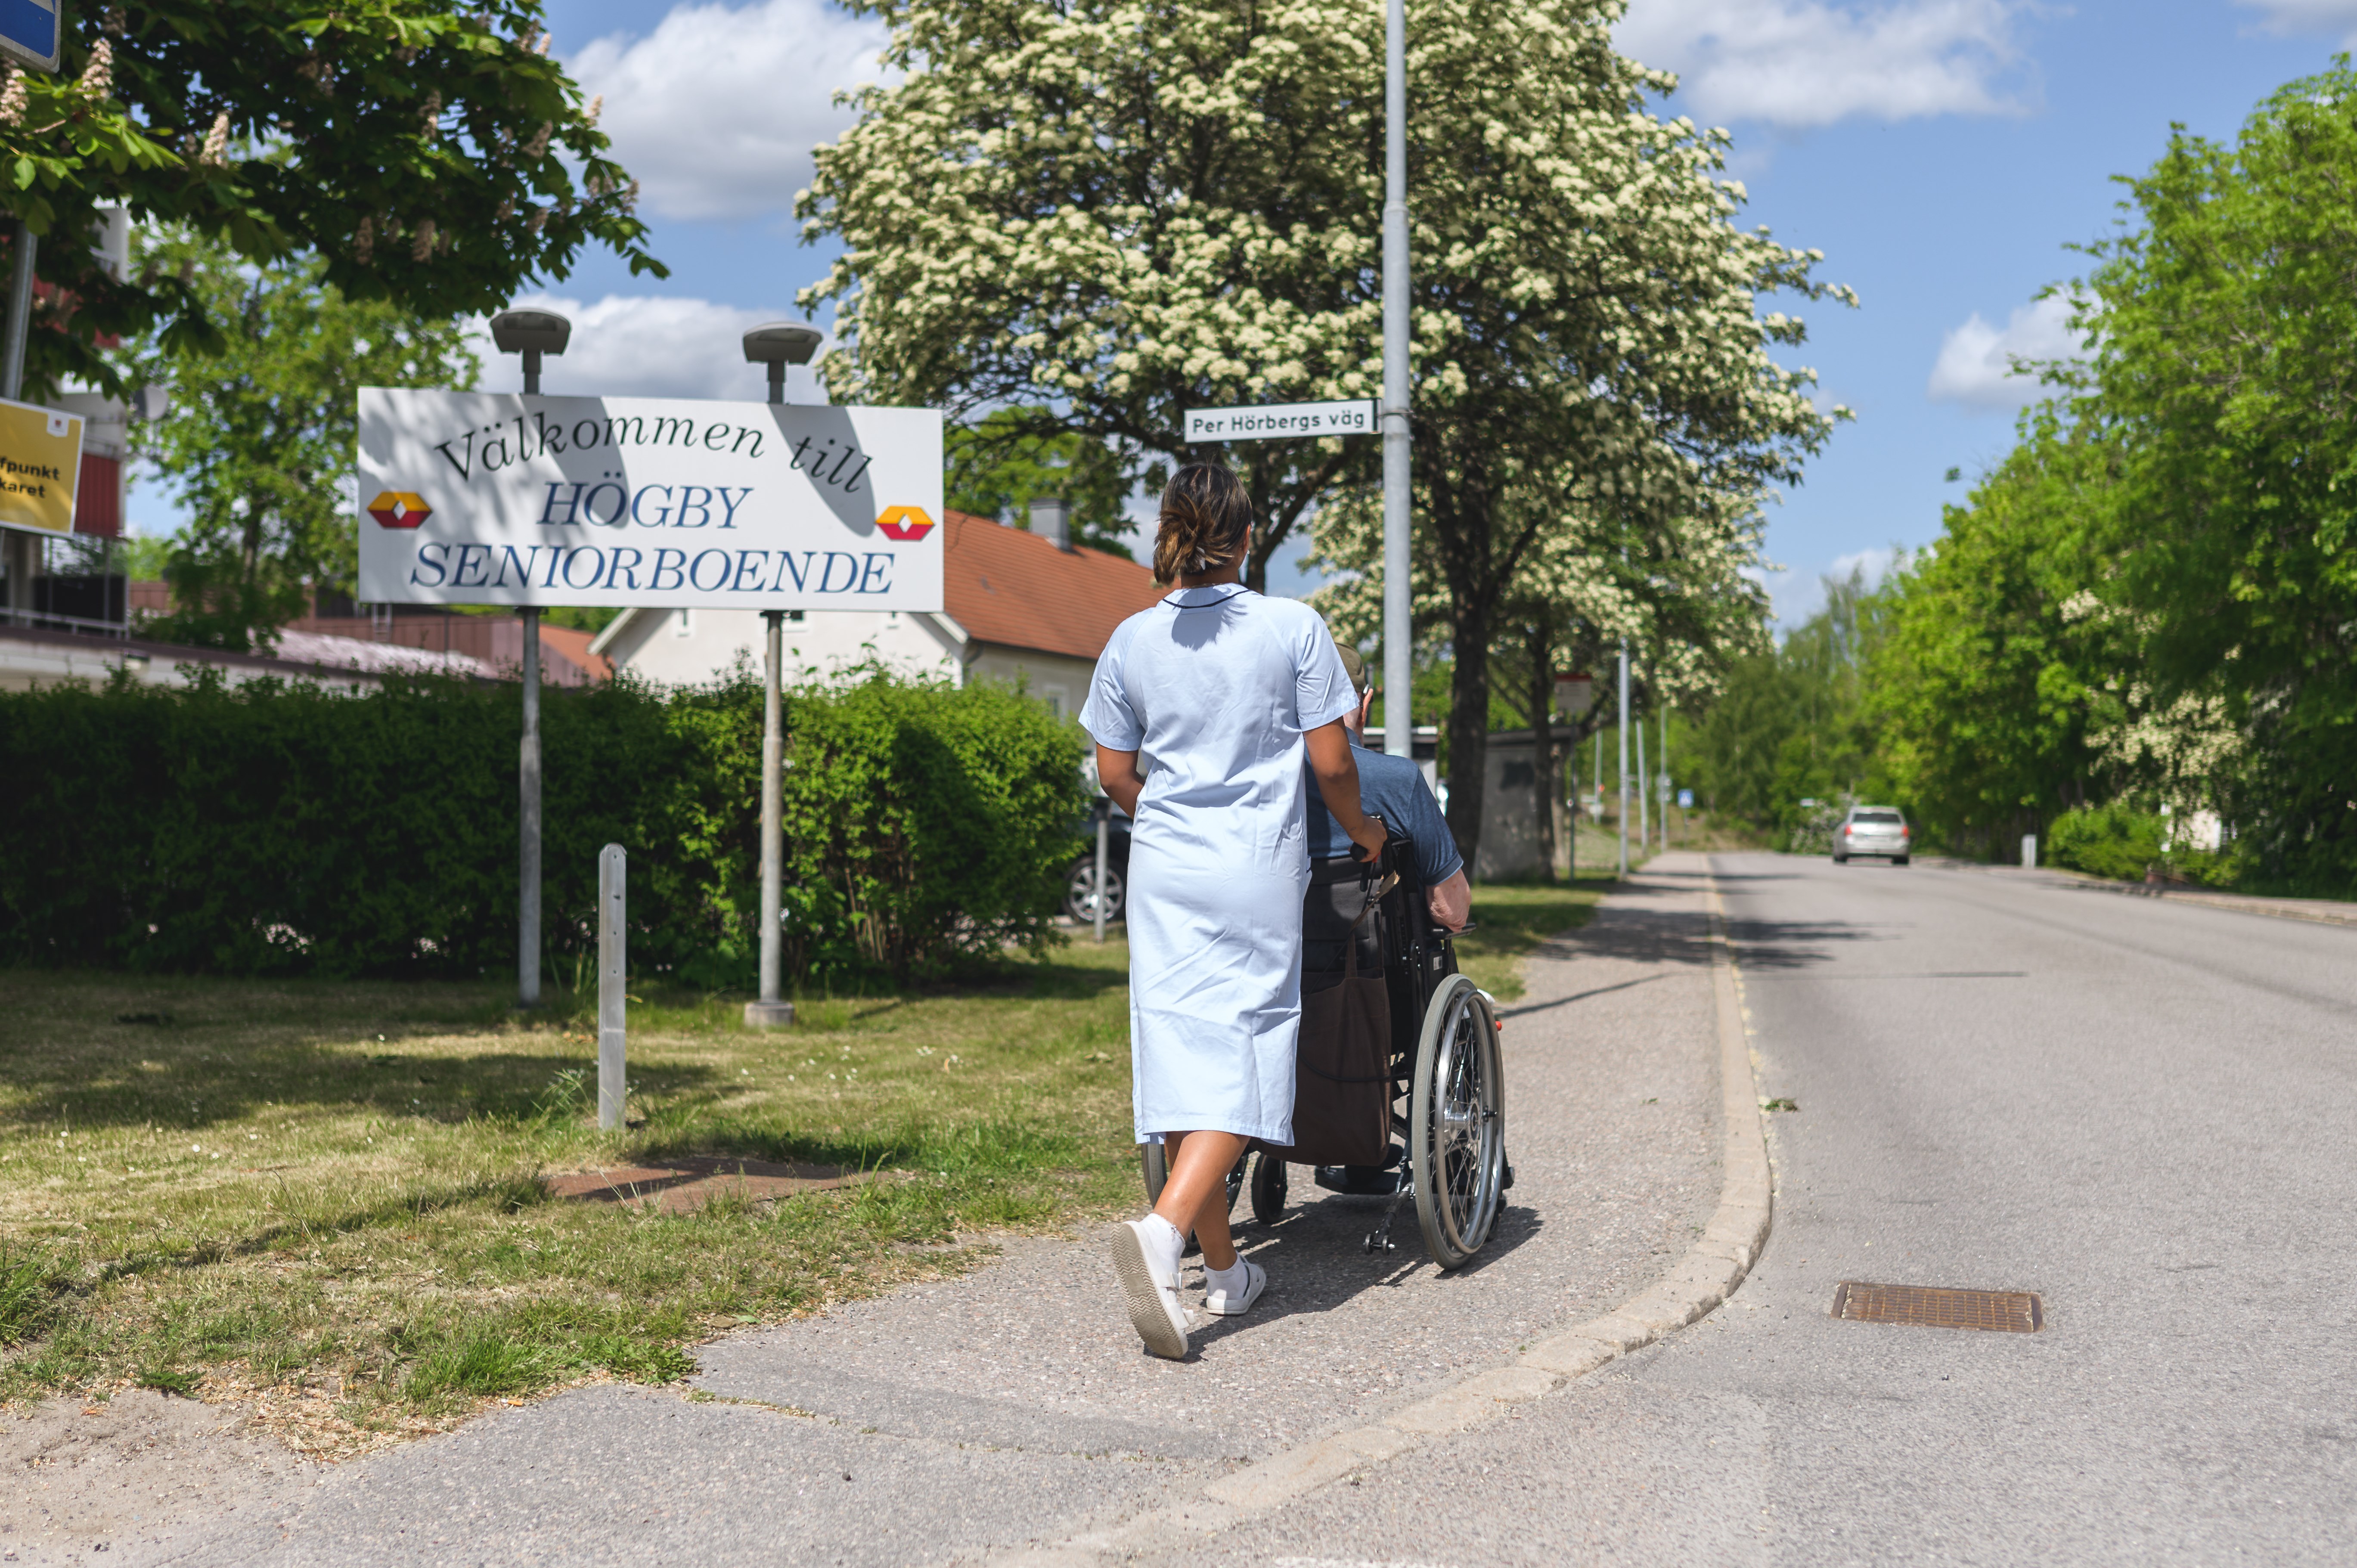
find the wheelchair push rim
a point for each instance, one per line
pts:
(1457, 1123)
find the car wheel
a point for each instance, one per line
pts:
(1898, 859)
(1081, 891)
(1841, 860)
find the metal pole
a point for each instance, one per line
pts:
(528, 781)
(1644, 789)
(528, 815)
(612, 970)
(20, 312)
(1624, 758)
(1105, 820)
(770, 1011)
(19, 545)
(1665, 777)
(1399, 667)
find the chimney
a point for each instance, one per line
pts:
(1052, 520)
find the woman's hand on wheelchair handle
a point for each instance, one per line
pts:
(1367, 840)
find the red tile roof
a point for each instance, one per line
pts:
(1014, 588)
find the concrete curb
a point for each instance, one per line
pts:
(1709, 1273)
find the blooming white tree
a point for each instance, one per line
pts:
(1111, 210)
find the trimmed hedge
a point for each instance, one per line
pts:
(277, 828)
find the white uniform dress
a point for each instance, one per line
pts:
(1217, 687)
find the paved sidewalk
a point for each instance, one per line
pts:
(1013, 1406)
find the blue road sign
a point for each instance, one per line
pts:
(29, 30)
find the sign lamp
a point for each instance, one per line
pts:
(778, 344)
(531, 333)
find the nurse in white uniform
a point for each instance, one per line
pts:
(1204, 709)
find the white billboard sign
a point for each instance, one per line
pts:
(1282, 421)
(485, 499)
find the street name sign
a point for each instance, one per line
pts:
(665, 503)
(40, 460)
(29, 32)
(1283, 421)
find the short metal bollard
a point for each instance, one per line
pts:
(612, 969)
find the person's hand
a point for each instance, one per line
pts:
(1370, 836)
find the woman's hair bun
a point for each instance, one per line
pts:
(1205, 516)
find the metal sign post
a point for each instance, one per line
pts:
(613, 983)
(776, 344)
(1399, 668)
(530, 333)
(1624, 758)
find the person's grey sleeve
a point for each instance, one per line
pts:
(1436, 859)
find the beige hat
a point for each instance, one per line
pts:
(1356, 666)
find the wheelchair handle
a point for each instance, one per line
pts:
(1357, 850)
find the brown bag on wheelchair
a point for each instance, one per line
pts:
(1342, 1080)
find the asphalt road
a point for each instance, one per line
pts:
(2144, 1110)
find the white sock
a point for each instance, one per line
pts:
(1163, 1241)
(1232, 1280)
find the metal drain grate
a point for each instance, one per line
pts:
(1933, 1306)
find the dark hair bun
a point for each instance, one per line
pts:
(1205, 516)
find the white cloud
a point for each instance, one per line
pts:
(1810, 62)
(2338, 17)
(715, 112)
(1975, 363)
(1794, 594)
(643, 346)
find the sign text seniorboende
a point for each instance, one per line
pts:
(483, 498)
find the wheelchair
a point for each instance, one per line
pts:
(1445, 1080)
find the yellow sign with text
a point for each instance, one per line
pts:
(41, 459)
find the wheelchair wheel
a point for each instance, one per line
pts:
(1158, 1171)
(1456, 1132)
(1268, 1185)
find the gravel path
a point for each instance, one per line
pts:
(1014, 1405)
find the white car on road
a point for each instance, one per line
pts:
(1872, 829)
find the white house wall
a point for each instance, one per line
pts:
(685, 647)
(1059, 680)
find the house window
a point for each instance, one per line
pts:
(682, 623)
(1055, 698)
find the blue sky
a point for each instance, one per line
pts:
(1941, 153)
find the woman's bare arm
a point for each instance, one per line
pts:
(1118, 776)
(1336, 772)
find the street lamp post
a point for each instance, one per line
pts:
(530, 333)
(1624, 758)
(1399, 668)
(775, 345)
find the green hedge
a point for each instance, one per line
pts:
(2118, 841)
(276, 828)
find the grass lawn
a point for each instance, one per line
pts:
(326, 1198)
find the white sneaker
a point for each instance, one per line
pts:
(1152, 1295)
(1229, 1303)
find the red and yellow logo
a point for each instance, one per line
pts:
(399, 509)
(905, 523)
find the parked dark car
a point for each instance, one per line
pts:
(1080, 878)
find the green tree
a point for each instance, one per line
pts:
(998, 467)
(260, 441)
(2001, 669)
(426, 152)
(1092, 217)
(2222, 377)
